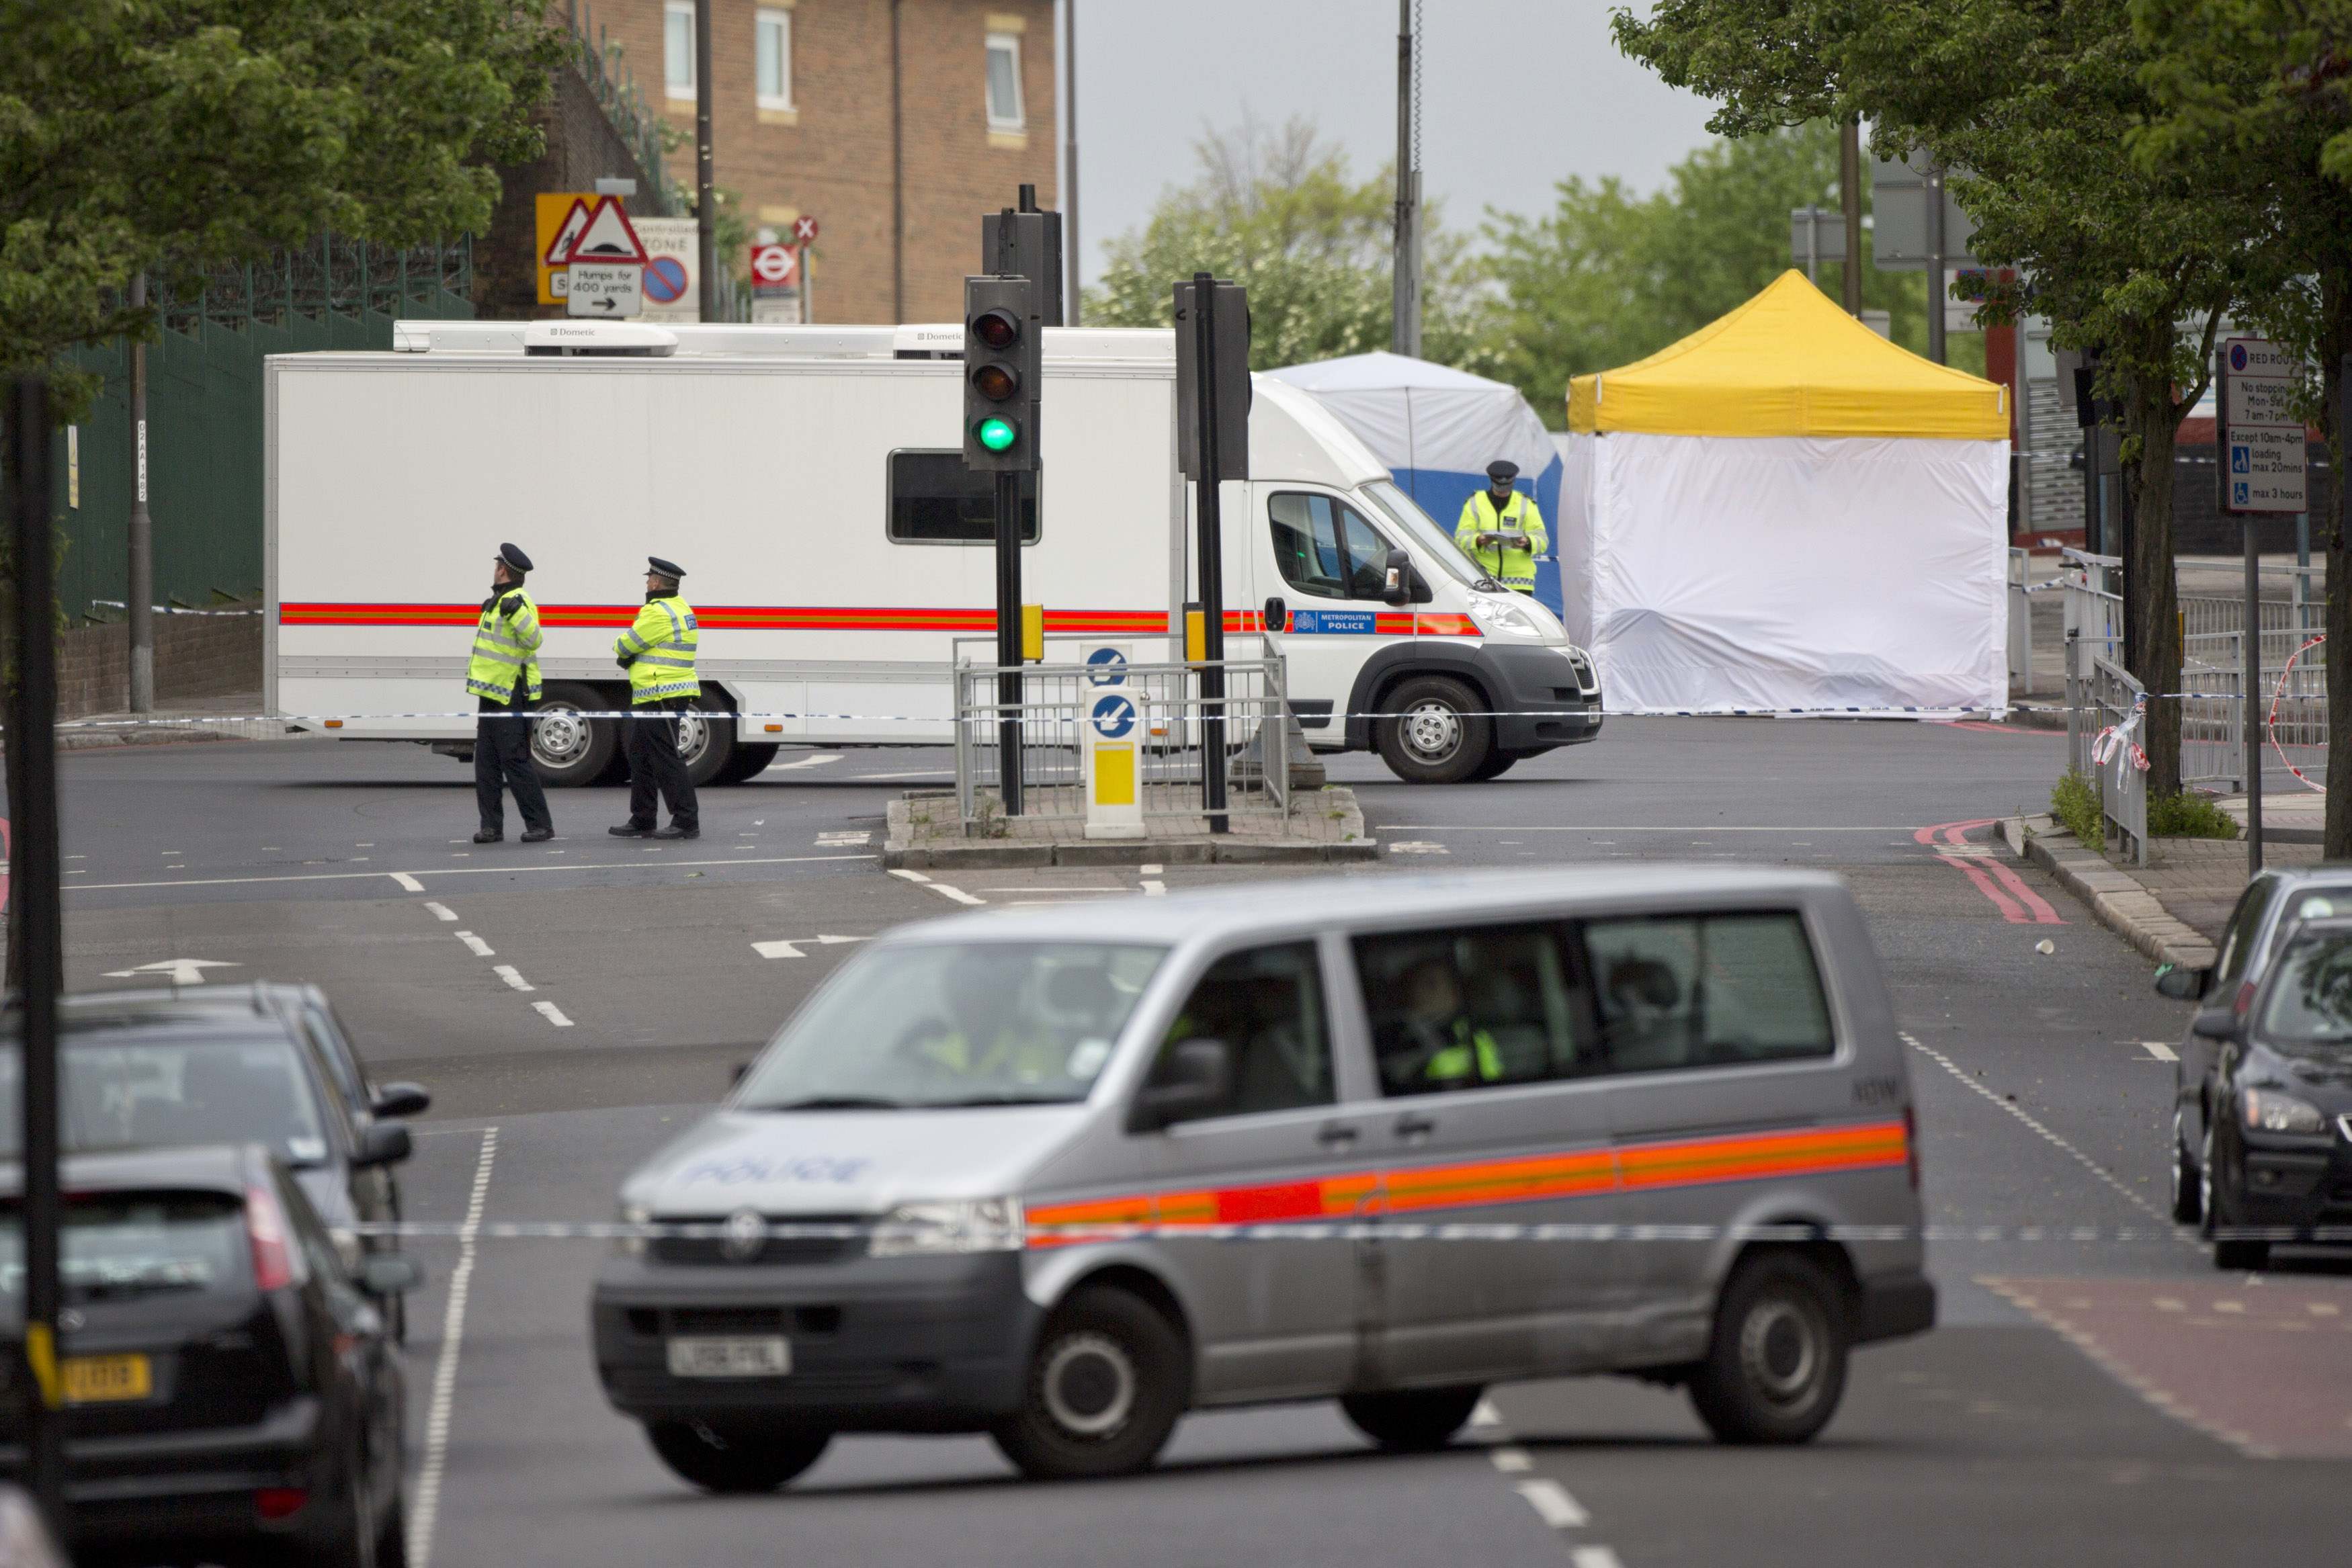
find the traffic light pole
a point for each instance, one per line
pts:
(1211, 522)
(1008, 641)
(33, 856)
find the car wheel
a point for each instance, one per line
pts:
(748, 762)
(1106, 1385)
(731, 1458)
(1776, 1368)
(354, 1541)
(2230, 1254)
(1435, 730)
(2188, 1197)
(567, 751)
(1411, 1420)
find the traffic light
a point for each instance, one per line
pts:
(1002, 365)
(1213, 354)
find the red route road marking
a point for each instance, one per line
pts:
(2017, 903)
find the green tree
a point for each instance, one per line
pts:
(2253, 95)
(1607, 277)
(1280, 212)
(166, 134)
(2038, 103)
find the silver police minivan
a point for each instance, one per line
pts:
(1062, 1175)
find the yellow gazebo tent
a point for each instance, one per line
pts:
(1784, 512)
(1789, 362)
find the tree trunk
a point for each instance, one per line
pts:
(2153, 657)
(2334, 343)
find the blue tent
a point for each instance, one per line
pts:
(1437, 429)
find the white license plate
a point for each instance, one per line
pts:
(731, 1355)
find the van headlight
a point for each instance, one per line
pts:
(949, 1226)
(1500, 618)
(2268, 1111)
(631, 1246)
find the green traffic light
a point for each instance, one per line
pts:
(997, 434)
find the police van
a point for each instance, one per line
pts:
(1061, 1174)
(809, 480)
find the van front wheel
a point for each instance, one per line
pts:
(1105, 1388)
(1776, 1369)
(1435, 730)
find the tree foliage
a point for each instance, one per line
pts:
(166, 135)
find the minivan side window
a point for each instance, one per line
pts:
(1470, 1007)
(1709, 990)
(1266, 1005)
(1325, 548)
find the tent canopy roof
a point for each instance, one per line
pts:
(1789, 362)
(1385, 372)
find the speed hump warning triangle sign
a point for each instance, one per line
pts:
(607, 237)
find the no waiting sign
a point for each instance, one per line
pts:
(2260, 455)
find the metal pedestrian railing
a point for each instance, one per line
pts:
(1057, 714)
(2115, 712)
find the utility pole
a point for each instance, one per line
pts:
(33, 853)
(1932, 187)
(1850, 201)
(1404, 335)
(1070, 163)
(140, 597)
(706, 198)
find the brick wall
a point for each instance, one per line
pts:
(195, 656)
(830, 153)
(582, 148)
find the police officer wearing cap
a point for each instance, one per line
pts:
(504, 676)
(1502, 531)
(658, 652)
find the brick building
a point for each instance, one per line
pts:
(806, 120)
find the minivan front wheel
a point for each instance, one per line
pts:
(1434, 730)
(1106, 1385)
(1776, 1368)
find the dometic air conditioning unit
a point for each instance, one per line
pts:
(626, 340)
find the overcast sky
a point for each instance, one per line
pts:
(1516, 95)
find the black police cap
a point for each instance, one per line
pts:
(668, 569)
(1502, 472)
(512, 555)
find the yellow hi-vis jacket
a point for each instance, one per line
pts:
(1514, 568)
(505, 647)
(660, 648)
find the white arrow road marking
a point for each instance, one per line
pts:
(182, 971)
(2159, 1051)
(792, 948)
(942, 888)
(818, 760)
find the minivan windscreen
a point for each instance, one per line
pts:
(955, 1024)
(169, 1094)
(1435, 544)
(2310, 1000)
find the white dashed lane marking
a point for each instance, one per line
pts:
(2158, 1051)
(507, 972)
(2087, 1163)
(552, 1013)
(1553, 1505)
(442, 911)
(479, 948)
(407, 883)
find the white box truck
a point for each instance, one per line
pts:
(809, 480)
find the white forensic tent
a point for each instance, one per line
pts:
(1437, 429)
(1785, 511)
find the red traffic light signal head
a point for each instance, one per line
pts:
(995, 382)
(997, 330)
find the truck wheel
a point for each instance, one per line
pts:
(1435, 731)
(567, 751)
(1498, 762)
(734, 1458)
(1105, 1388)
(705, 745)
(1776, 1368)
(1411, 1420)
(748, 762)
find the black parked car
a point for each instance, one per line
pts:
(2277, 1157)
(231, 1392)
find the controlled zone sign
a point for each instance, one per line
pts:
(2261, 451)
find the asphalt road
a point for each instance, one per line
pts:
(2084, 1401)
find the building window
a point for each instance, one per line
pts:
(1004, 112)
(776, 59)
(677, 49)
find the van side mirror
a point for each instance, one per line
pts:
(1193, 1079)
(1277, 614)
(383, 1143)
(1404, 583)
(2216, 1023)
(2183, 984)
(402, 1100)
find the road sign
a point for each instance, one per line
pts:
(606, 290)
(805, 230)
(673, 275)
(607, 235)
(773, 267)
(1113, 717)
(1107, 666)
(562, 216)
(664, 280)
(2262, 445)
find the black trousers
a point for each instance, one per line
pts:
(502, 761)
(655, 769)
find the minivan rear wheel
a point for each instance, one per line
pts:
(732, 1458)
(1435, 730)
(1106, 1385)
(1411, 1420)
(1776, 1368)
